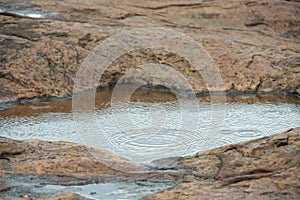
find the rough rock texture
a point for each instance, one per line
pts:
(63, 161)
(267, 168)
(255, 44)
(68, 163)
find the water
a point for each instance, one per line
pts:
(108, 191)
(25, 9)
(145, 130)
(116, 190)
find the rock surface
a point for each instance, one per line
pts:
(267, 168)
(255, 44)
(62, 161)
(4, 187)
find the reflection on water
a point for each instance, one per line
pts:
(25, 9)
(108, 191)
(153, 122)
(116, 190)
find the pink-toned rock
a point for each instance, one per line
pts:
(65, 162)
(254, 44)
(266, 168)
(59, 159)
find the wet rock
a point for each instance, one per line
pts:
(254, 44)
(4, 187)
(266, 168)
(64, 196)
(68, 163)
(59, 160)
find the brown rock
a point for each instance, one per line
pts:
(266, 168)
(69, 163)
(63, 160)
(254, 44)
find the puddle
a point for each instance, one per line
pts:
(109, 191)
(139, 141)
(25, 9)
(247, 117)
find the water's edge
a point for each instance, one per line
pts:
(266, 109)
(229, 93)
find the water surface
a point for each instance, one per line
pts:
(150, 126)
(25, 9)
(109, 191)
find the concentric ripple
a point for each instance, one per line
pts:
(140, 138)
